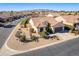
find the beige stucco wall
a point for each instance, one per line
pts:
(33, 26)
(53, 29)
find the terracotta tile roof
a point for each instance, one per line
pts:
(8, 15)
(39, 21)
(59, 24)
(4, 15)
(70, 18)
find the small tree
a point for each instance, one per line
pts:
(48, 29)
(25, 22)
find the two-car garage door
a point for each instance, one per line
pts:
(58, 29)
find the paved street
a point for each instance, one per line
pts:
(68, 48)
(6, 30)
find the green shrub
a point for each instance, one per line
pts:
(49, 30)
(76, 32)
(22, 38)
(33, 37)
(24, 22)
(42, 34)
(18, 34)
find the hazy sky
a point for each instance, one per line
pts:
(29, 6)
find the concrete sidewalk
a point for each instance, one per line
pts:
(66, 36)
(5, 51)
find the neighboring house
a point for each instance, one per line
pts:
(72, 20)
(76, 24)
(40, 23)
(8, 17)
(4, 17)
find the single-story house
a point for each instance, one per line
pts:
(8, 17)
(72, 20)
(40, 23)
(4, 17)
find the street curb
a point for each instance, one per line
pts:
(17, 52)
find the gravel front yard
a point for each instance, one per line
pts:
(17, 45)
